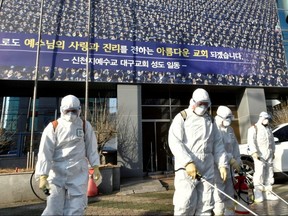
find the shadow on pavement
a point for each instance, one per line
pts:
(24, 210)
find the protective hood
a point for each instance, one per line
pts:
(70, 102)
(200, 95)
(224, 112)
(263, 116)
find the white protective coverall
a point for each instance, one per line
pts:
(196, 140)
(224, 205)
(262, 148)
(62, 156)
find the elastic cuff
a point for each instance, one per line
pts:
(188, 163)
(222, 167)
(232, 161)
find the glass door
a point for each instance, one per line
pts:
(156, 153)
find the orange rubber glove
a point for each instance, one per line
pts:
(255, 156)
(223, 173)
(43, 183)
(191, 170)
(97, 175)
(235, 165)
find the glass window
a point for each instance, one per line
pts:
(282, 134)
(155, 101)
(180, 101)
(156, 112)
(176, 110)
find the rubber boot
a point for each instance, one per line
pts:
(268, 194)
(218, 212)
(258, 194)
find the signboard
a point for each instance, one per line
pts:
(64, 58)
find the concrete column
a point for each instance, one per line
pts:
(129, 130)
(252, 103)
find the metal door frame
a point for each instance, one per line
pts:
(155, 159)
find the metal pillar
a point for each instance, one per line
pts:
(30, 159)
(87, 62)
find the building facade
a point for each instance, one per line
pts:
(148, 57)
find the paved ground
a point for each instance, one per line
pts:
(278, 207)
(145, 197)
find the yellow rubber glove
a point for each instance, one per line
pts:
(235, 165)
(255, 156)
(223, 173)
(97, 173)
(43, 183)
(191, 170)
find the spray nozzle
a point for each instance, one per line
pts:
(46, 191)
(198, 176)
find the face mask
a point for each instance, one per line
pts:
(226, 122)
(200, 110)
(70, 117)
(265, 122)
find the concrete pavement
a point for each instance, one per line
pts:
(277, 207)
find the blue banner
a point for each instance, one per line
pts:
(71, 52)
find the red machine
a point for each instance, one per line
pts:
(243, 191)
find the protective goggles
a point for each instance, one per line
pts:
(269, 119)
(74, 111)
(202, 103)
(231, 117)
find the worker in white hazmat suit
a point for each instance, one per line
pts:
(262, 148)
(224, 205)
(196, 145)
(62, 165)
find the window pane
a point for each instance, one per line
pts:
(154, 101)
(155, 113)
